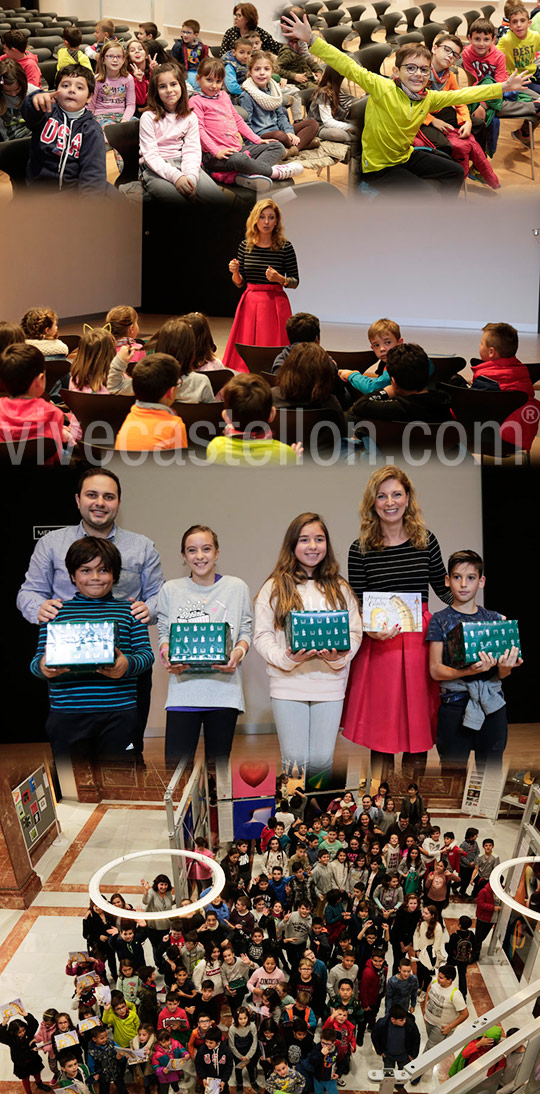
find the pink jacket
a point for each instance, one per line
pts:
(164, 139)
(220, 124)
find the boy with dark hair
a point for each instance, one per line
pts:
(236, 61)
(372, 989)
(24, 413)
(214, 1059)
(460, 950)
(96, 711)
(485, 64)
(395, 111)
(73, 1071)
(284, 1078)
(322, 1064)
(151, 423)
(247, 440)
(127, 942)
(402, 989)
(451, 128)
(189, 50)
(472, 715)
(72, 160)
(15, 46)
(343, 1029)
(500, 370)
(396, 1038)
(300, 327)
(407, 397)
(484, 866)
(103, 32)
(147, 32)
(69, 53)
(103, 1064)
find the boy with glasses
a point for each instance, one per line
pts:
(395, 111)
(451, 128)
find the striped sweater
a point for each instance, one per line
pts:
(400, 569)
(94, 691)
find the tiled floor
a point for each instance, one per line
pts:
(35, 943)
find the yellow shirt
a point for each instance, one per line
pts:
(249, 452)
(65, 58)
(519, 52)
(392, 120)
(149, 427)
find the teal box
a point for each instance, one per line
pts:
(466, 640)
(81, 644)
(200, 645)
(317, 631)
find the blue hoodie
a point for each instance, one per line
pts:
(67, 149)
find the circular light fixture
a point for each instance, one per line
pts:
(155, 917)
(496, 884)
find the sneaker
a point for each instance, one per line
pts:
(342, 1082)
(475, 176)
(285, 171)
(255, 182)
(521, 137)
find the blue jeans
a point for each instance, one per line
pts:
(326, 1086)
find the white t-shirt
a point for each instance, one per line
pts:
(443, 1005)
(432, 849)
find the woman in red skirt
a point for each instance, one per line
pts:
(391, 701)
(266, 265)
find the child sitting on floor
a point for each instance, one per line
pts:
(253, 163)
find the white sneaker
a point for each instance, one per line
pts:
(254, 182)
(286, 171)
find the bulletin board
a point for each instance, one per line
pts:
(34, 803)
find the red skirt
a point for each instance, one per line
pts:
(391, 702)
(260, 320)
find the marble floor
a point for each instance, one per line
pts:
(34, 944)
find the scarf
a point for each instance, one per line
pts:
(414, 95)
(265, 99)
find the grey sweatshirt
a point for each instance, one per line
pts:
(193, 388)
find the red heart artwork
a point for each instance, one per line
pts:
(253, 772)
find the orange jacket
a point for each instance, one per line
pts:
(149, 427)
(462, 112)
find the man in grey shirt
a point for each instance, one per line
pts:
(47, 583)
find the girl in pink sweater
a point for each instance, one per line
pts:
(307, 687)
(169, 140)
(232, 152)
(114, 94)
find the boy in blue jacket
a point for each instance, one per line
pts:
(67, 147)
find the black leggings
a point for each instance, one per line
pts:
(184, 726)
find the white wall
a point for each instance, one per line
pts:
(79, 257)
(250, 511)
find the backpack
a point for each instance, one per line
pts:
(464, 951)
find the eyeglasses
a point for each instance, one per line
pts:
(452, 52)
(411, 70)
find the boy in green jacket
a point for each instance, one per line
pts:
(397, 108)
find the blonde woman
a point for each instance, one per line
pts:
(391, 702)
(266, 265)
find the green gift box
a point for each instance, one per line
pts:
(317, 631)
(200, 645)
(81, 644)
(466, 640)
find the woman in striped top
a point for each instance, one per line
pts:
(95, 711)
(391, 702)
(266, 265)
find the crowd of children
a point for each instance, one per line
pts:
(400, 384)
(282, 976)
(436, 141)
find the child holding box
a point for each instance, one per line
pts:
(97, 711)
(213, 699)
(472, 714)
(307, 688)
(396, 109)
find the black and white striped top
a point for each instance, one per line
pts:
(253, 264)
(400, 569)
(232, 35)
